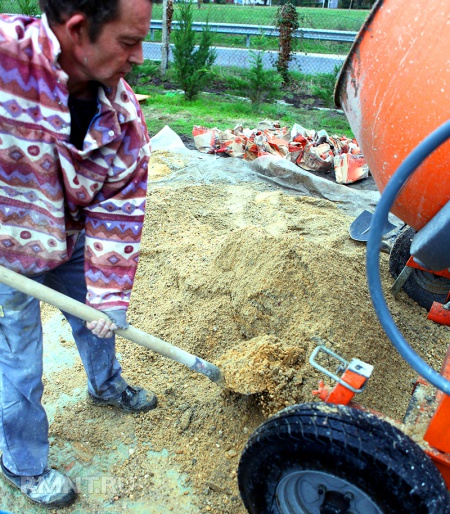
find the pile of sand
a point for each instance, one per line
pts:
(251, 279)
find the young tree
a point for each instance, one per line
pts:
(263, 85)
(191, 63)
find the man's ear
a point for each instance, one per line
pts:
(77, 29)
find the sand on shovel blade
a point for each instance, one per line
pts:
(261, 364)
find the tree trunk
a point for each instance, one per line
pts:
(165, 35)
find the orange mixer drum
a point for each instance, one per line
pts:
(394, 88)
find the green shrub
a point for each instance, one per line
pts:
(263, 85)
(28, 7)
(256, 83)
(323, 86)
(237, 84)
(139, 75)
(191, 65)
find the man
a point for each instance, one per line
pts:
(74, 152)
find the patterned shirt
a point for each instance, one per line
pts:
(49, 190)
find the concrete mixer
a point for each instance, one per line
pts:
(395, 90)
(336, 456)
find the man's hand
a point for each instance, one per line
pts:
(102, 328)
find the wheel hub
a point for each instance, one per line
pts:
(317, 492)
(335, 503)
(432, 283)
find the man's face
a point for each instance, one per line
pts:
(119, 45)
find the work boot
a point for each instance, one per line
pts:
(51, 489)
(133, 399)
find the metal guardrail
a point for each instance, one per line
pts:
(341, 36)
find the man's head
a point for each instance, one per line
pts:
(100, 39)
(97, 12)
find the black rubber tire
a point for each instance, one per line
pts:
(421, 286)
(347, 443)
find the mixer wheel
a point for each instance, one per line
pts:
(316, 458)
(422, 286)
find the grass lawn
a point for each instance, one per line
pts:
(316, 18)
(211, 110)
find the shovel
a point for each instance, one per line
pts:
(86, 313)
(360, 227)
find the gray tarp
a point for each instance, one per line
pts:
(206, 168)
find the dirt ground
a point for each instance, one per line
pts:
(294, 94)
(252, 279)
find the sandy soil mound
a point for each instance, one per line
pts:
(251, 279)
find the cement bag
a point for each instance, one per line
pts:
(302, 131)
(317, 158)
(272, 128)
(263, 143)
(257, 146)
(350, 168)
(232, 143)
(205, 139)
(296, 147)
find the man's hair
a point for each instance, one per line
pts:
(97, 12)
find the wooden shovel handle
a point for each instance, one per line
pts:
(86, 313)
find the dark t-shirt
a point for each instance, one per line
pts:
(81, 114)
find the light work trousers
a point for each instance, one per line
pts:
(23, 422)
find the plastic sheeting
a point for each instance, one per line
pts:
(200, 168)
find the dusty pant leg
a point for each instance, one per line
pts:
(98, 355)
(23, 421)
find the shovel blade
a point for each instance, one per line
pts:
(360, 227)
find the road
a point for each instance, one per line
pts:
(307, 63)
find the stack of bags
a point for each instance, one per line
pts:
(310, 150)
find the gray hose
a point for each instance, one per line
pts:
(397, 181)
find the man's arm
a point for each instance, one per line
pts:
(114, 221)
